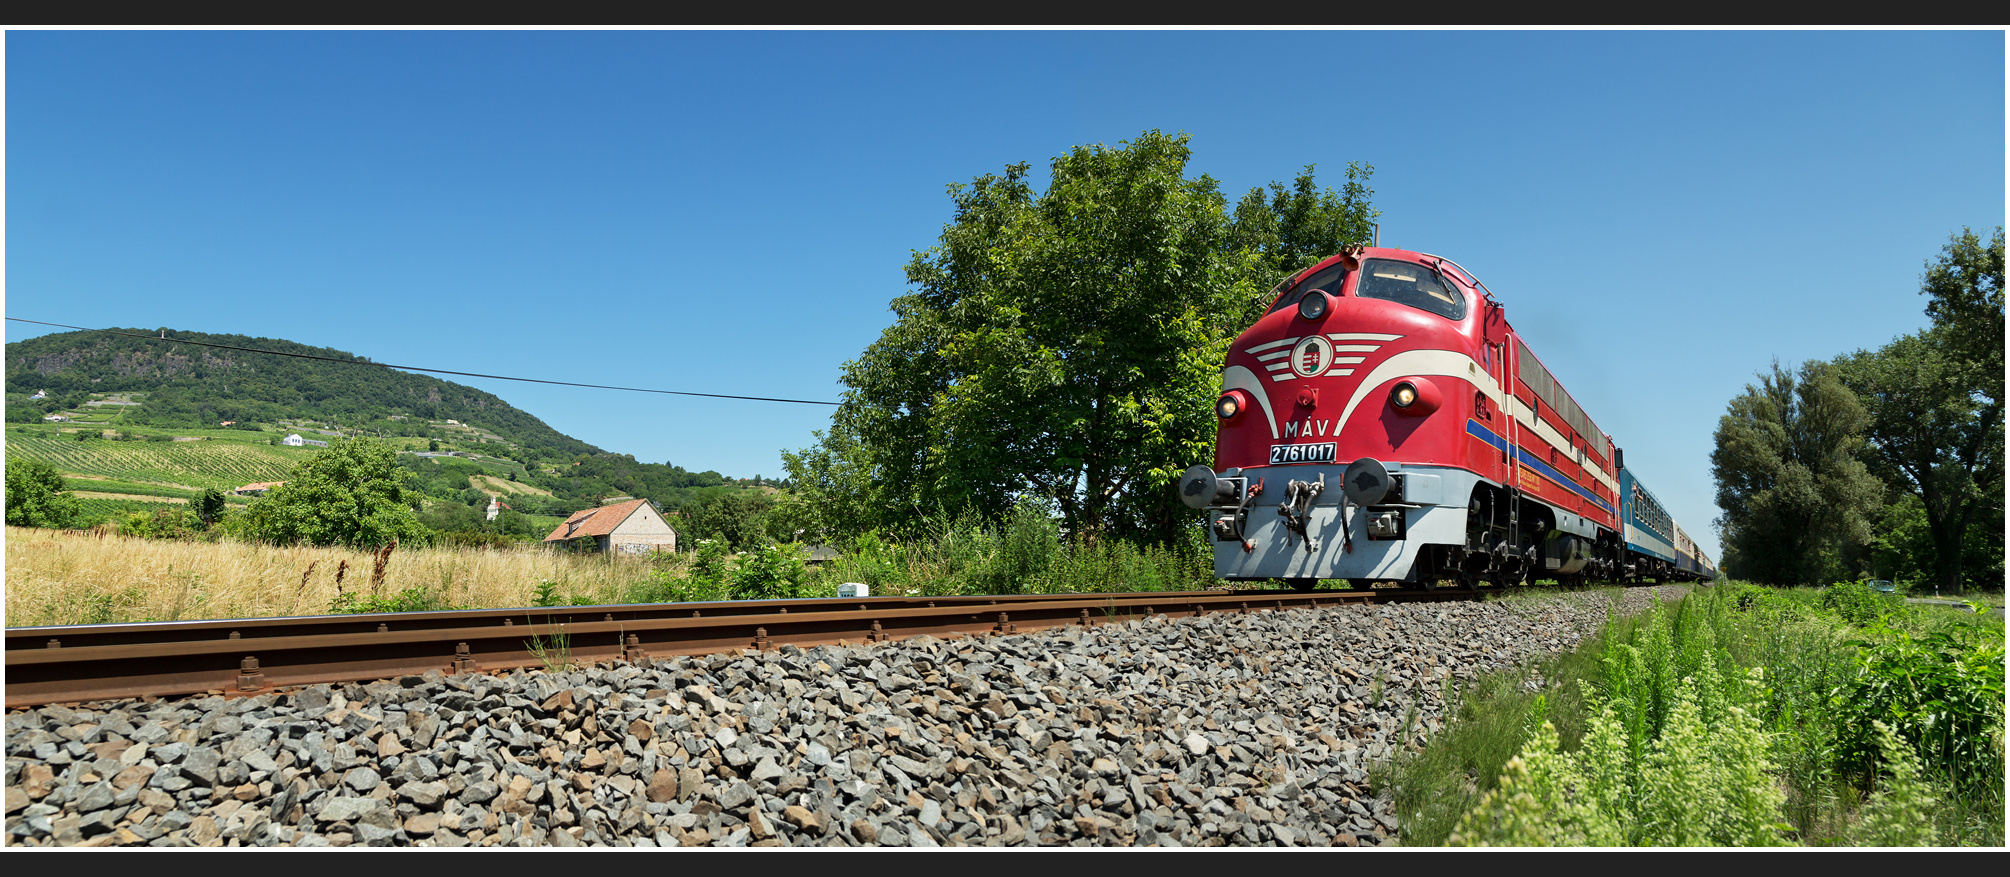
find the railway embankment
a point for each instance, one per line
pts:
(1226, 729)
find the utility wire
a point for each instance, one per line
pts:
(413, 368)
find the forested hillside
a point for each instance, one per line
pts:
(193, 386)
(115, 389)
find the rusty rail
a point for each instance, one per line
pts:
(257, 655)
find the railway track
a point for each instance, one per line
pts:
(240, 657)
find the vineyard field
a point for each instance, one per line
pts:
(99, 508)
(129, 488)
(220, 464)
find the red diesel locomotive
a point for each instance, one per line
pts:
(1383, 421)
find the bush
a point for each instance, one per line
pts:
(771, 572)
(1856, 602)
(173, 522)
(1941, 693)
(419, 599)
(37, 496)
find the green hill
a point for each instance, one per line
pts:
(190, 386)
(165, 405)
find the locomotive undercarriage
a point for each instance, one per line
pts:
(1298, 524)
(1302, 527)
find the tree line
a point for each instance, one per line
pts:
(1882, 463)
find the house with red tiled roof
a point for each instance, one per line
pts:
(257, 488)
(632, 527)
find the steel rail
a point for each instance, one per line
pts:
(237, 657)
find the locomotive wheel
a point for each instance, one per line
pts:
(1469, 581)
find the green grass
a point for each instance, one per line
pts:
(1490, 723)
(1822, 717)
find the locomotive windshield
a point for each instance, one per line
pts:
(1328, 280)
(1411, 284)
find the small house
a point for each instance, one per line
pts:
(293, 440)
(258, 488)
(496, 507)
(633, 527)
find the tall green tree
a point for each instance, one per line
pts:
(1935, 400)
(739, 518)
(210, 506)
(1064, 344)
(1296, 227)
(37, 496)
(1793, 493)
(352, 493)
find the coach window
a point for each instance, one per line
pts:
(1411, 284)
(1328, 279)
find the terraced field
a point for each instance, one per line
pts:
(493, 484)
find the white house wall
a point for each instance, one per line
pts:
(644, 531)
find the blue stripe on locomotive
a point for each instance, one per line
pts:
(1658, 549)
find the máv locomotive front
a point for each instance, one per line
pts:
(1382, 421)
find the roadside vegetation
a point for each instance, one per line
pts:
(1740, 716)
(71, 577)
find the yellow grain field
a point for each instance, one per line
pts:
(71, 577)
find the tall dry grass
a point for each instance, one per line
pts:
(67, 577)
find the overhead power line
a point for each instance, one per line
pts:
(414, 368)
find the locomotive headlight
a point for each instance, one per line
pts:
(1415, 397)
(1314, 305)
(1230, 405)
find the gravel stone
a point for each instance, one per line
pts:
(1234, 729)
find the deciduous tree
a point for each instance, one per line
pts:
(1935, 400)
(1064, 344)
(1793, 493)
(352, 493)
(37, 496)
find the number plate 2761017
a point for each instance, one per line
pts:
(1301, 453)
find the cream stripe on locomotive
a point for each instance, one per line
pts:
(1409, 363)
(1451, 364)
(1420, 363)
(1527, 419)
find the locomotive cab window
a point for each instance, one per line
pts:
(1411, 284)
(1329, 280)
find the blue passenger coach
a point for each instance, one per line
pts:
(1656, 547)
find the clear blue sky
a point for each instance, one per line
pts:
(1664, 213)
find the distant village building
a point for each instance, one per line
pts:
(58, 418)
(496, 507)
(294, 440)
(257, 488)
(39, 394)
(633, 527)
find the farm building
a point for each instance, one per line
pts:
(257, 488)
(632, 527)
